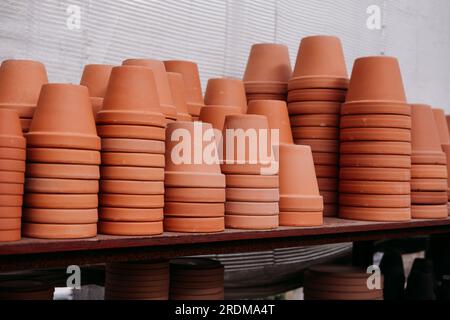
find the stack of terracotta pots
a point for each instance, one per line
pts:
(162, 85)
(316, 91)
(96, 77)
(20, 85)
(195, 187)
(25, 290)
(196, 279)
(376, 144)
(61, 187)
(137, 281)
(268, 71)
(251, 173)
(12, 175)
(444, 135)
(178, 90)
(193, 86)
(132, 129)
(429, 167)
(338, 282)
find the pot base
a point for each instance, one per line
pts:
(252, 222)
(59, 231)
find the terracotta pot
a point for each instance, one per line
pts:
(193, 86)
(376, 134)
(374, 187)
(252, 195)
(375, 214)
(60, 201)
(62, 186)
(251, 222)
(10, 212)
(162, 84)
(132, 187)
(375, 174)
(320, 64)
(441, 124)
(376, 108)
(194, 180)
(10, 130)
(57, 216)
(376, 78)
(293, 195)
(12, 165)
(96, 77)
(12, 177)
(326, 159)
(132, 132)
(21, 82)
(204, 195)
(375, 161)
(301, 219)
(130, 228)
(252, 181)
(321, 133)
(252, 208)
(226, 92)
(10, 201)
(131, 98)
(178, 90)
(10, 235)
(194, 210)
(430, 197)
(63, 156)
(332, 95)
(59, 231)
(63, 119)
(12, 154)
(10, 224)
(262, 96)
(317, 145)
(375, 201)
(131, 201)
(327, 171)
(429, 211)
(314, 107)
(133, 146)
(130, 214)
(422, 171)
(315, 120)
(277, 115)
(215, 115)
(133, 159)
(376, 148)
(268, 63)
(132, 173)
(376, 121)
(194, 225)
(429, 184)
(11, 188)
(446, 149)
(62, 171)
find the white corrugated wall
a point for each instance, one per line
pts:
(218, 34)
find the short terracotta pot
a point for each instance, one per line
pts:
(268, 63)
(376, 121)
(12, 154)
(375, 214)
(178, 90)
(133, 159)
(376, 108)
(301, 219)
(62, 171)
(321, 133)
(429, 211)
(194, 210)
(132, 132)
(191, 76)
(62, 186)
(21, 82)
(130, 228)
(96, 77)
(422, 171)
(376, 148)
(60, 201)
(63, 119)
(320, 64)
(11, 188)
(277, 115)
(251, 222)
(375, 201)
(429, 184)
(133, 146)
(315, 120)
(162, 84)
(226, 92)
(10, 130)
(376, 78)
(215, 115)
(442, 127)
(132, 201)
(374, 187)
(59, 231)
(202, 195)
(194, 225)
(252, 208)
(132, 173)
(10, 236)
(429, 197)
(252, 195)
(314, 107)
(375, 161)
(12, 177)
(252, 181)
(317, 145)
(132, 187)
(12, 165)
(325, 158)
(57, 216)
(376, 134)
(376, 174)
(63, 156)
(130, 214)
(9, 212)
(333, 95)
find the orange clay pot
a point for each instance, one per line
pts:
(12, 177)
(56, 216)
(446, 149)
(130, 214)
(301, 219)
(261, 96)
(429, 211)
(132, 187)
(375, 201)
(162, 84)
(133, 146)
(215, 115)
(430, 197)
(10, 224)
(63, 119)
(62, 186)
(375, 214)
(251, 222)
(10, 236)
(11, 188)
(132, 173)
(132, 132)
(63, 156)
(374, 187)
(205, 195)
(376, 121)
(21, 82)
(133, 159)
(375, 161)
(315, 120)
(376, 78)
(441, 124)
(314, 107)
(329, 146)
(96, 77)
(9, 212)
(193, 86)
(130, 228)
(194, 210)
(62, 171)
(422, 171)
(320, 64)
(60, 201)
(252, 208)
(7, 201)
(12, 165)
(376, 148)
(328, 184)
(321, 133)
(375, 174)
(226, 92)
(376, 107)
(429, 184)
(375, 134)
(12, 154)
(10, 130)
(178, 91)
(132, 201)
(327, 171)
(59, 231)
(326, 159)
(252, 181)
(252, 195)
(277, 115)
(332, 95)
(194, 225)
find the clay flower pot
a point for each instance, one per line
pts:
(376, 78)
(441, 123)
(131, 98)
(96, 77)
(162, 84)
(268, 69)
(11, 136)
(314, 108)
(20, 85)
(215, 115)
(320, 64)
(226, 92)
(277, 115)
(426, 144)
(193, 86)
(446, 149)
(178, 91)
(64, 119)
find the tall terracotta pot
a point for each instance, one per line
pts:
(226, 92)
(178, 91)
(96, 77)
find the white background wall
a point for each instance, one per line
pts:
(218, 34)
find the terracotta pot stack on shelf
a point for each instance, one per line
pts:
(20, 85)
(316, 90)
(132, 129)
(96, 77)
(137, 281)
(196, 279)
(178, 90)
(375, 174)
(267, 73)
(62, 173)
(25, 290)
(12, 175)
(444, 135)
(339, 282)
(429, 167)
(193, 86)
(194, 185)
(252, 186)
